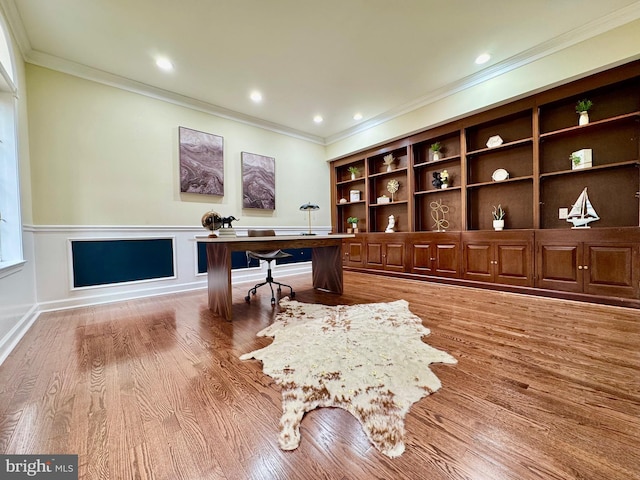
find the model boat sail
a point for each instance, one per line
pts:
(582, 213)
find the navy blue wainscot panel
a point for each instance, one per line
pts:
(103, 262)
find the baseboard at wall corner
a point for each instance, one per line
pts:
(13, 337)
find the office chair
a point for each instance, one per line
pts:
(267, 257)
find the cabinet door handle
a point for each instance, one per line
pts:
(579, 267)
(432, 259)
(586, 267)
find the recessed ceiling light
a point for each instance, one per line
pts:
(483, 58)
(318, 119)
(164, 64)
(256, 96)
(357, 116)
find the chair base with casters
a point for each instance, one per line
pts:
(267, 257)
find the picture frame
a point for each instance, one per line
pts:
(201, 162)
(258, 181)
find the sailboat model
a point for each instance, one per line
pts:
(582, 213)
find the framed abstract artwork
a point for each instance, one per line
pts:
(258, 181)
(201, 162)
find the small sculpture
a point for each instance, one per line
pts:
(392, 187)
(388, 161)
(441, 224)
(437, 180)
(392, 223)
(227, 221)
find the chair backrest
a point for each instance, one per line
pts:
(262, 233)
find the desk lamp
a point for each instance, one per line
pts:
(308, 207)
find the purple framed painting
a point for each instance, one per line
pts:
(258, 181)
(201, 162)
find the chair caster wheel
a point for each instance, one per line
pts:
(279, 290)
(247, 299)
(273, 301)
(293, 294)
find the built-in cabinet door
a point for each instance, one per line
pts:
(499, 257)
(435, 253)
(386, 255)
(557, 266)
(394, 257)
(608, 269)
(423, 259)
(447, 259)
(595, 262)
(478, 261)
(353, 253)
(375, 258)
(513, 264)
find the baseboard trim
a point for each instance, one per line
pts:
(11, 339)
(237, 276)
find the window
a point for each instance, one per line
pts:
(10, 219)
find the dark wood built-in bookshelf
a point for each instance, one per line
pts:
(539, 133)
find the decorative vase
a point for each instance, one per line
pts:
(436, 156)
(583, 119)
(355, 226)
(445, 185)
(498, 225)
(389, 168)
(353, 176)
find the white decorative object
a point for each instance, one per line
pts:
(354, 195)
(343, 200)
(583, 118)
(444, 177)
(498, 225)
(582, 213)
(392, 224)
(388, 161)
(494, 141)
(383, 199)
(581, 159)
(500, 175)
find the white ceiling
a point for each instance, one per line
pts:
(307, 57)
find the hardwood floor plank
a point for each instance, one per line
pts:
(154, 389)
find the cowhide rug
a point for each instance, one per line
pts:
(367, 359)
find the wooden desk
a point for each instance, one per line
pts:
(326, 263)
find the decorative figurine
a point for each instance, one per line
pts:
(392, 223)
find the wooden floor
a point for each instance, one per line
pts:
(153, 388)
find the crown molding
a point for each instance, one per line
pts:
(592, 29)
(14, 21)
(52, 62)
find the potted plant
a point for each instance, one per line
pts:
(353, 221)
(498, 217)
(436, 150)
(353, 170)
(582, 109)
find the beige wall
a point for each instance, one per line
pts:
(105, 156)
(614, 47)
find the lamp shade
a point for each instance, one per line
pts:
(309, 206)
